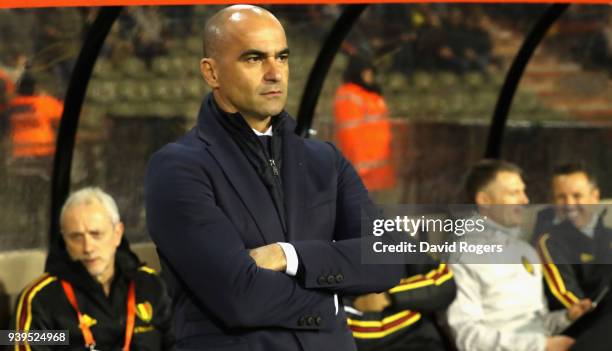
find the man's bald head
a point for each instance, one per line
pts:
(233, 18)
(246, 63)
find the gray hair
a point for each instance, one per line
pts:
(87, 196)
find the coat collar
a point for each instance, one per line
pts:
(244, 178)
(60, 264)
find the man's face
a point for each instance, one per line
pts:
(368, 76)
(506, 189)
(571, 192)
(251, 67)
(91, 238)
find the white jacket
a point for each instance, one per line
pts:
(502, 307)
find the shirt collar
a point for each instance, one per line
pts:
(267, 132)
(589, 229)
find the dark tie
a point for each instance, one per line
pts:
(266, 140)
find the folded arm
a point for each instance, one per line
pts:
(205, 250)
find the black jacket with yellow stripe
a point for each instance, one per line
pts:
(43, 305)
(575, 265)
(408, 323)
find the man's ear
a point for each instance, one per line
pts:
(208, 68)
(119, 228)
(596, 195)
(482, 198)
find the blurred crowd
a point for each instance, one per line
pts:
(426, 37)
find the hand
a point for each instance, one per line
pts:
(270, 257)
(559, 343)
(578, 309)
(372, 302)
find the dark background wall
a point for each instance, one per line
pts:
(432, 158)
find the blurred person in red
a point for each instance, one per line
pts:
(363, 128)
(33, 120)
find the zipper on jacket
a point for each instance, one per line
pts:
(274, 168)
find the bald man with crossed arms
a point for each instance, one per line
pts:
(257, 228)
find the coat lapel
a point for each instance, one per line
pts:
(240, 174)
(293, 172)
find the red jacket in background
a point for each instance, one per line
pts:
(32, 124)
(363, 132)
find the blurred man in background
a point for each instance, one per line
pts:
(502, 306)
(363, 128)
(576, 249)
(31, 119)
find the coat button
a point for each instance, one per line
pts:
(302, 321)
(322, 280)
(331, 279)
(310, 320)
(339, 278)
(318, 320)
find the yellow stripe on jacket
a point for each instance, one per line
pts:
(434, 277)
(24, 307)
(553, 277)
(374, 329)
